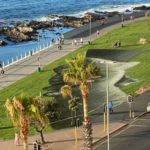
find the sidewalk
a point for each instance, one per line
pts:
(64, 139)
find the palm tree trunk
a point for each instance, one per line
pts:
(24, 130)
(87, 126)
(25, 143)
(85, 106)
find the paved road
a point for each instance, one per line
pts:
(136, 136)
(121, 112)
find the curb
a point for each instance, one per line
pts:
(118, 129)
(113, 132)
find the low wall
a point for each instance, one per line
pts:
(84, 31)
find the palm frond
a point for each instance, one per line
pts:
(66, 90)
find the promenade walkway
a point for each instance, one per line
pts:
(29, 65)
(63, 139)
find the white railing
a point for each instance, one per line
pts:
(26, 55)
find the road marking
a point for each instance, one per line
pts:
(139, 126)
(115, 134)
(123, 130)
(143, 119)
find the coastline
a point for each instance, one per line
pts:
(7, 53)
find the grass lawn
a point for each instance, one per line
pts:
(33, 84)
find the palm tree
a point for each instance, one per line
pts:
(73, 102)
(21, 110)
(81, 72)
(39, 119)
(18, 110)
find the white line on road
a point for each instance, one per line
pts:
(139, 126)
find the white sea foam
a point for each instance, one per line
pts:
(109, 8)
(49, 18)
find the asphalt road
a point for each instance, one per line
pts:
(136, 136)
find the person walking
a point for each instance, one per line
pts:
(81, 41)
(98, 32)
(110, 106)
(1, 65)
(75, 42)
(17, 139)
(1, 68)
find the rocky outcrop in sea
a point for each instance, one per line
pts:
(28, 30)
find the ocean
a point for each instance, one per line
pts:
(31, 9)
(19, 10)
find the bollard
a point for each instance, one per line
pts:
(39, 69)
(31, 53)
(39, 146)
(35, 146)
(133, 114)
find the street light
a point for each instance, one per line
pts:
(38, 58)
(90, 30)
(107, 101)
(106, 62)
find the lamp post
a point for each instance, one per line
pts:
(38, 58)
(107, 97)
(90, 25)
(122, 20)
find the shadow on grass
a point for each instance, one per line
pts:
(9, 127)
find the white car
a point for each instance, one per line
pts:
(148, 107)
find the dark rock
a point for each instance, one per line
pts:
(43, 24)
(2, 43)
(127, 10)
(113, 13)
(141, 8)
(16, 36)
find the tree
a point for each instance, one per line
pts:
(81, 72)
(39, 119)
(19, 109)
(22, 110)
(73, 102)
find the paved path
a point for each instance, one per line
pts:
(25, 67)
(63, 139)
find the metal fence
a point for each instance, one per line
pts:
(28, 54)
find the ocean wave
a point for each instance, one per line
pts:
(48, 18)
(109, 8)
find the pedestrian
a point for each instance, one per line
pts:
(17, 139)
(81, 41)
(62, 38)
(35, 145)
(75, 42)
(102, 22)
(1, 65)
(52, 40)
(2, 71)
(1, 68)
(59, 46)
(98, 32)
(110, 106)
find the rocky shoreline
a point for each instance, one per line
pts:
(28, 30)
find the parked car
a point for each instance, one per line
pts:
(148, 107)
